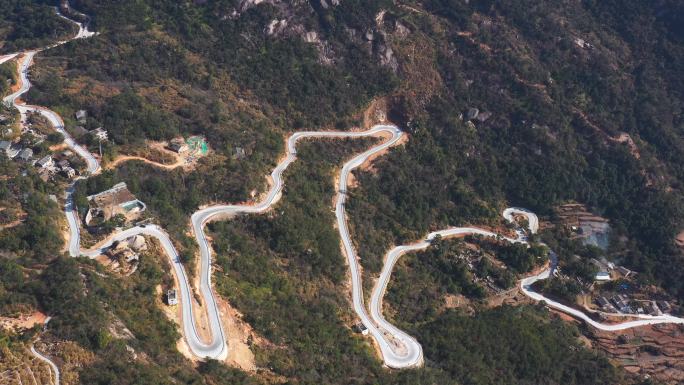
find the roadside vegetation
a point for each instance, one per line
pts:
(8, 77)
(30, 24)
(558, 108)
(27, 216)
(424, 284)
(284, 271)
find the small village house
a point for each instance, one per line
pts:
(25, 155)
(81, 116)
(360, 328)
(68, 172)
(172, 297)
(178, 146)
(45, 162)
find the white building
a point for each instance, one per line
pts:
(81, 115)
(99, 134)
(172, 297)
(45, 162)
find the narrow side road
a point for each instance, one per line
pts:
(48, 361)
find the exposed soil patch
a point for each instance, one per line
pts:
(680, 239)
(24, 321)
(625, 138)
(376, 113)
(156, 154)
(240, 337)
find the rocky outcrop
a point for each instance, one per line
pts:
(275, 27)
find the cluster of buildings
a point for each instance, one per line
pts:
(99, 133)
(16, 151)
(30, 138)
(48, 165)
(620, 303)
(58, 165)
(609, 271)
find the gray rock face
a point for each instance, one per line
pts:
(311, 37)
(275, 27)
(401, 30)
(387, 57)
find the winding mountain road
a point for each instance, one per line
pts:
(48, 361)
(413, 358)
(398, 349)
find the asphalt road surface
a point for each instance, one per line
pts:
(398, 349)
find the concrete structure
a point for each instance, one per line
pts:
(652, 308)
(602, 276)
(99, 134)
(63, 164)
(483, 116)
(45, 162)
(179, 146)
(115, 201)
(25, 154)
(79, 131)
(664, 306)
(605, 305)
(11, 149)
(360, 328)
(172, 297)
(239, 153)
(81, 115)
(602, 301)
(68, 172)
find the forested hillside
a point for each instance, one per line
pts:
(566, 90)
(28, 24)
(522, 103)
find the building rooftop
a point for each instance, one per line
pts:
(116, 195)
(172, 297)
(26, 154)
(118, 200)
(44, 161)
